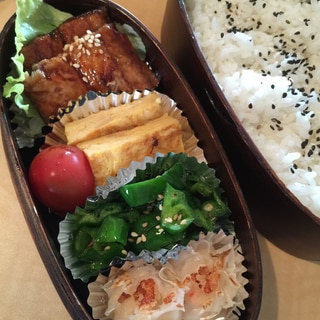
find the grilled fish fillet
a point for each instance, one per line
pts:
(109, 153)
(114, 119)
(100, 60)
(53, 85)
(50, 45)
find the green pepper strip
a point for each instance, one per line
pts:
(176, 214)
(210, 211)
(99, 255)
(84, 239)
(147, 234)
(143, 192)
(96, 218)
(113, 229)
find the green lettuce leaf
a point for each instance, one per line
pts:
(33, 18)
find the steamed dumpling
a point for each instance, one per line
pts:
(210, 275)
(136, 292)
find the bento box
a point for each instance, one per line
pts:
(44, 226)
(277, 212)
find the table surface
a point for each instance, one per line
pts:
(291, 286)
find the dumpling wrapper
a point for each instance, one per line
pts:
(136, 292)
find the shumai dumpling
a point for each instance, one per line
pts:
(210, 271)
(136, 292)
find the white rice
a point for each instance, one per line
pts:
(265, 55)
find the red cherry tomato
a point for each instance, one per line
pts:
(61, 178)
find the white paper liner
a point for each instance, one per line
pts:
(214, 250)
(94, 102)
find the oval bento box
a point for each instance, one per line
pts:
(44, 227)
(279, 216)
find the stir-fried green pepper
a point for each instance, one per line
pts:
(84, 239)
(102, 234)
(202, 189)
(165, 205)
(95, 253)
(176, 214)
(147, 233)
(143, 192)
(113, 229)
(98, 257)
(96, 218)
(211, 210)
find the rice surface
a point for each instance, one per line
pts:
(265, 56)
